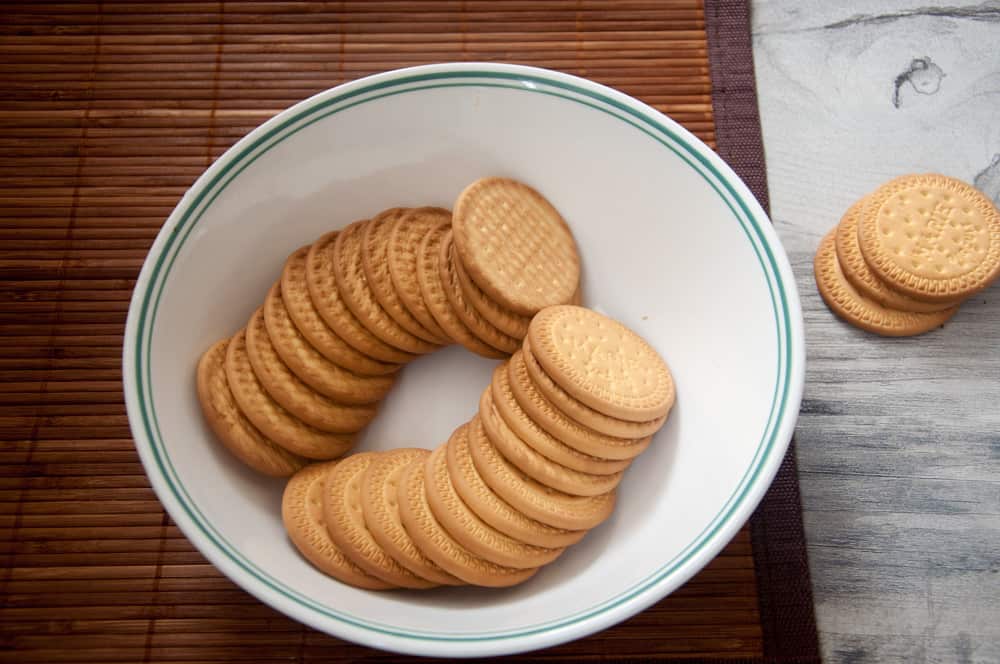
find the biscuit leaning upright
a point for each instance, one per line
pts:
(228, 423)
(515, 245)
(602, 363)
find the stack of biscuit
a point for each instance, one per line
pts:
(307, 372)
(904, 257)
(529, 475)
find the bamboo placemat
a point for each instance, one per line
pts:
(108, 112)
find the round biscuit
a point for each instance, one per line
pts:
(563, 428)
(404, 242)
(271, 419)
(348, 269)
(467, 528)
(853, 264)
(329, 302)
(379, 503)
(533, 499)
(433, 292)
(541, 440)
(375, 259)
(602, 363)
(495, 511)
(515, 245)
(298, 302)
(511, 324)
(310, 366)
(478, 325)
(576, 410)
(931, 237)
(232, 429)
(860, 311)
(537, 466)
(435, 542)
(302, 514)
(345, 521)
(293, 395)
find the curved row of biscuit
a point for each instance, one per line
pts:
(307, 372)
(511, 488)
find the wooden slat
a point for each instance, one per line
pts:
(108, 112)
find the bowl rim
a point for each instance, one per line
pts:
(224, 556)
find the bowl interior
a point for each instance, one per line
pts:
(670, 246)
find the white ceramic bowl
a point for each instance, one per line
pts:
(673, 244)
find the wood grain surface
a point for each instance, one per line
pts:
(108, 112)
(898, 439)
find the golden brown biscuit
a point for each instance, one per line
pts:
(405, 239)
(581, 412)
(348, 269)
(536, 466)
(852, 263)
(931, 237)
(375, 260)
(435, 542)
(380, 505)
(329, 302)
(233, 430)
(860, 311)
(569, 431)
(295, 396)
(345, 522)
(298, 302)
(302, 514)
(310, 366)
(478, 325)
(495, 511)
(528, 496)
(515, 245)
(602, 363)
(271, 419)
(433, 293)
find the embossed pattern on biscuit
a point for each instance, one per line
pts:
(379, 502)
(495, 511)
(570, 432)
(405, 239)
(852, 263)
(346, 524)
(310, 366)
(293, 395)
(348, 270)
(375, 259)
(932, 237)
(860, 311)
(328, 300)
(232, 428)
(440, 547)
(534, 499)
(466, 312)
(536, 466)
(300, 307)
(574, 409)
(515, 245)
(432, 288)
(302, 515)
(467, 528)
(508, 322)
(270, 418)
(602, 363)
(538, 438)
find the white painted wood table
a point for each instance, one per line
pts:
(899, 439)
